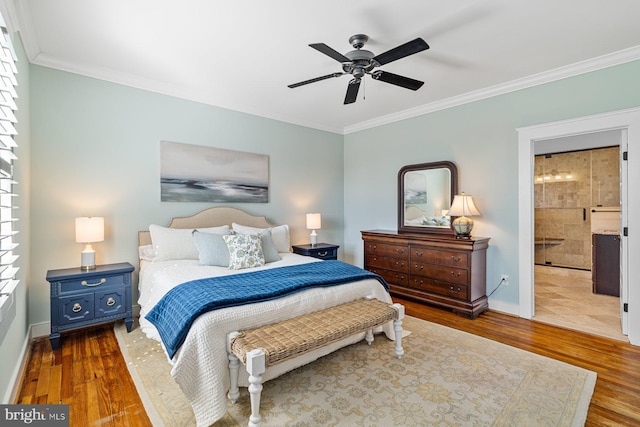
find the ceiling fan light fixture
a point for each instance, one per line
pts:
(360, 62)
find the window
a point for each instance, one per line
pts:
(8, 119)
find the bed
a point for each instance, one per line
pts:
(200, 364)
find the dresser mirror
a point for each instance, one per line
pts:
(425, 192)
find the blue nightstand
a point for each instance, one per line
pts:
(319, 250)
(81, 298)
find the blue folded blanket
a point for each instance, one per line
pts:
(176, 311)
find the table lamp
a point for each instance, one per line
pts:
(89, 230)
(462, 208)
(314, 222)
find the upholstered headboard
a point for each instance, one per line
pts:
(211, 217)
(412, 212)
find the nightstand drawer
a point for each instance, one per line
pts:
(77, 308)
(110, 302)
(320, 250)
(91, 283)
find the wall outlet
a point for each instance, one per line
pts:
(504, 279)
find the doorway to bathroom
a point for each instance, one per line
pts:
(530, 138)
(577, 233)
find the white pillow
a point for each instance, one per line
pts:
(177, 243)
(279, 235)
(146, 252)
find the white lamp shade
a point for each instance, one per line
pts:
(89, 229)
(314, 221)
(463, 206)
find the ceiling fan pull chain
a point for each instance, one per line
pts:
(364, 90)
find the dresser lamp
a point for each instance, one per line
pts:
(89, 230)
(314, 222)
(462, 208)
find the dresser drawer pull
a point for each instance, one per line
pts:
(373, 247)
(85, 283)
(418, 253)
(76, 308)
(399, 263)
(110, 301)
(453, 274)
(418, 282)
(455, 291)
(454, 259)
(419, 267)
(399, 277)
(400, 251)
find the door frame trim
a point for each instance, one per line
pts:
(628, 119)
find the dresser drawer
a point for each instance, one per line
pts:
(392, 277)
(451, 290)
(434, 256)
(440, 272)
(91, 283)
(386, 250)
(397, 264)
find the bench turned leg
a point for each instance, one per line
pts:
(397, 327)
(255, 368)
(369, 336)
(234, 367)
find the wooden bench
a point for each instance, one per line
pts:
(269, 345)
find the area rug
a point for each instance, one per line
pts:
(446, 378)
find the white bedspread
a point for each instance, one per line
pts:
(201, 366)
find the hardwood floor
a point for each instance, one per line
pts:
(88, 371)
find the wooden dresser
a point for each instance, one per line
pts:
(432, 268)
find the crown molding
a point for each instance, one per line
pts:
(582, 67)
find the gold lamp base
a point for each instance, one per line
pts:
(462, 227)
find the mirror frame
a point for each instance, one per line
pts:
(402, 228)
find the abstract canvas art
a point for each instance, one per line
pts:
(195, 173)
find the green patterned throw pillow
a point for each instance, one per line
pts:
(245, 251)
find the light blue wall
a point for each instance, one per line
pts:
(481, 139)
(95, 152)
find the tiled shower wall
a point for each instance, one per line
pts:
(567, 185)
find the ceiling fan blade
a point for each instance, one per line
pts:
(409, 48)
(352, 91)
(317, 79)
(321, 47)
(397, 80)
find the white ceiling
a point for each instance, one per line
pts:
(241, 55)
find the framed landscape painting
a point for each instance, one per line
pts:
(195, 173)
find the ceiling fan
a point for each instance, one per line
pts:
(359, 62)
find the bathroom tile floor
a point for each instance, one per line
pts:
(564, 298)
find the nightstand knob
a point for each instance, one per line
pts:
(110, 301)
(76, 308)
(85, 283)
(325, 253)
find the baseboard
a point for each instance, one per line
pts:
(18, 371)
(504, 307)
